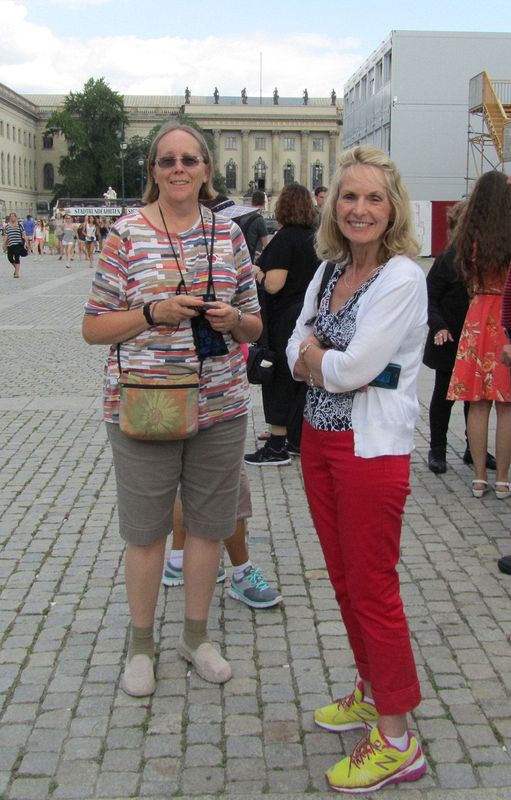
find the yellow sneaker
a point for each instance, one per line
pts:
(347, 714)
(374, 763)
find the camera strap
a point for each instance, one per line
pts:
(209, 252)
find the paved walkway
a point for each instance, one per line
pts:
(68, 731)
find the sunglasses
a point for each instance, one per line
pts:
(168, 162)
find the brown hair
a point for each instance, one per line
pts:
(398, 239)
(453, 215)
(294, 206)
(482, 239)
(152, 191)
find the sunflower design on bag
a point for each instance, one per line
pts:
(153, 409)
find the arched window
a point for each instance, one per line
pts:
(260, 174)
(230, 174)
(289, 172)
(317, 174)
(48, 177)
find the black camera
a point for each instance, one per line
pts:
(208, 343)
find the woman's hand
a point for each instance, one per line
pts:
(175, 309)
(307, 365)
(442, 336)
(222, 316)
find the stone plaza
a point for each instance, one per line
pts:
(67, 730)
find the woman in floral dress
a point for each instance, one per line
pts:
(483, 252)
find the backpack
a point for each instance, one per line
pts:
(245, 222)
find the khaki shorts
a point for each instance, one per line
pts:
(245, 498)
(207, 467)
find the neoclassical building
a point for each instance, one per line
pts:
(260, 142)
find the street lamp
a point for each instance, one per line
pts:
(124, 147)
(141, 163)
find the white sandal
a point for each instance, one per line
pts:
(479, 492)
(506, 492)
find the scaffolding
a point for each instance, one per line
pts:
(489, 125)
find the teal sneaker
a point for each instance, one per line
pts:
(173, 576)
(253, 589)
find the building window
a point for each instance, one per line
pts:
(8, 131)
(230, 174)
(289, 143)
(260, 143)
(363, 88)
(47, 142)
(48, 177)
(1, 128)
(379, 75)
(30, 140)
(14, 172)
(317, 174)
(2, 161)
(318, 144)
(231, 143)
(387, 66)
(8, 169)
(289, 173)
(260, 174)
(371, 82)
(19, 135)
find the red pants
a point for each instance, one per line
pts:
(357, 506)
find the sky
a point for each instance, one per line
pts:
(162, 46)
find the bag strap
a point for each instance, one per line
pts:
(327, 274)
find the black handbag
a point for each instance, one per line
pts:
(22, 250)
(260, 364)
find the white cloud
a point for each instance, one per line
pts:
(33, 60)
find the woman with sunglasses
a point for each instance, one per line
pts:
(149, 286)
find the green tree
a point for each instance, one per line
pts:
(92, 123)
(137, 150)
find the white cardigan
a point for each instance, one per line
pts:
(390, 327)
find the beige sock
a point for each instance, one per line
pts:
(141, 642)
(195, 632)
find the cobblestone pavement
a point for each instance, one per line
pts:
(68, 731)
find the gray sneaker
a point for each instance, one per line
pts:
(253, 589)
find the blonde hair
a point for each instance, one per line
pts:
(152, 191)
(398, 239)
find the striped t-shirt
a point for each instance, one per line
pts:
(14, 234)
(137, 266)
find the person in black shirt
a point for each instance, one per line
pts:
(284, 271)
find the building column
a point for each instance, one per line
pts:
(332, 155)
(276, 177)
(245, 174)
(216, 153)
(304, 159)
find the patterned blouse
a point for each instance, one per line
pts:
(137, 266)
(324, 410)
